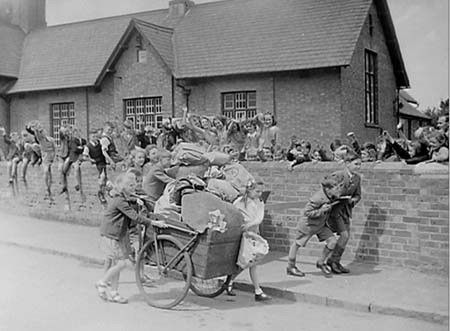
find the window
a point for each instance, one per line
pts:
(144, 111)
(142, 56)
(239, 105)
(61, 113)
(371, 87)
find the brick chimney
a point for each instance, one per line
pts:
(28, 14)
(178, 8)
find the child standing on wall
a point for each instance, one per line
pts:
(313, 223)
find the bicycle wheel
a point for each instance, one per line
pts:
(209, 288)
(162, 279)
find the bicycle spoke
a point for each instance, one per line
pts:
(162, 279)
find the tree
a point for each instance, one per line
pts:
(437, 112)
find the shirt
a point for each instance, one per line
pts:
(155, 182)
(253, 212)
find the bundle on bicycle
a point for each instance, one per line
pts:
(198, 250)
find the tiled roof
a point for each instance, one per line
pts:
(407, 97)
(11, 39)
(212, 39)
(160, 38)
(71, 55)
(245, 36)
(407, 110)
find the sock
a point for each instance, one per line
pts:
(258, 291)
(291, 263)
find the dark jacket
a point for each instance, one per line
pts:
(421, 154)
(119, 217)
(155, 182)
(352, 188)
(314, 216)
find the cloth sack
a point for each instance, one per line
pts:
(252, 250)
(222, 189)
(189, 154)
(238, 176)
(217, 158)
(182, 171)
(163, 205)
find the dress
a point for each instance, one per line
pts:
(253, 212)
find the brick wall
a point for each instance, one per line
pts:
(306, 103)
(353, 104)
(401, 220)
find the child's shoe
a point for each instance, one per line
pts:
(102, 291)
(262, 297)
(294, 271)
(117, 298)
(102, 198)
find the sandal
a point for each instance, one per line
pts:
(117, 298)
(102, 290)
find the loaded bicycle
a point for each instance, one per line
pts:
(175, 259)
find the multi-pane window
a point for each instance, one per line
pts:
(371, 88)
(61, 114)
(144, 111)
(239, 105)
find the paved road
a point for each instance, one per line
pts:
(47, 292)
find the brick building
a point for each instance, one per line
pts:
(322, 67)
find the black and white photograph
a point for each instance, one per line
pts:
(248, 165)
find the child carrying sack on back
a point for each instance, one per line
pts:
(252, 208)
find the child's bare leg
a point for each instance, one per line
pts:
(9, 169)
(292, 258)
(255, 280)
(26, 162)
(15, 162)
(107, 265)
(64, 172)
(330, 243)
(48, 177)
(113, 275)
(77, 170)
(259, 294)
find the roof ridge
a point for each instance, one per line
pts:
(152, 25)
(107, 18)
(131, 14)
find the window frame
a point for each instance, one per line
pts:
(143, 111)
(68, 117)
(244, 104)
(371, 115)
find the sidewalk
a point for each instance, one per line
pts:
(368, 288)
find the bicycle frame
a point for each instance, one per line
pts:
(185, 248)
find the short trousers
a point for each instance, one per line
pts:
(304, 233)
(47, 157)
(101, 168)
(113, 249)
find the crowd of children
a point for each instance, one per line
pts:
(144, 157)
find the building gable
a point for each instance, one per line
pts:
(213, 39)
